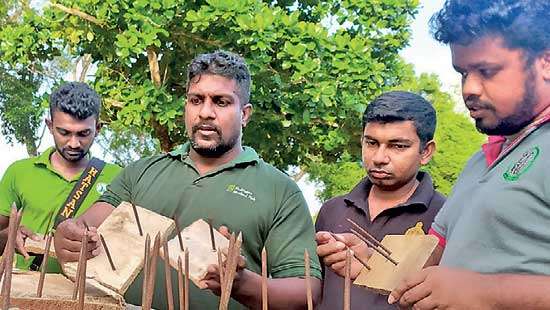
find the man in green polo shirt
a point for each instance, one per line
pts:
(214, 176)
(41, 184)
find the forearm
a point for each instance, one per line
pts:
(284, 293)
(512, 291)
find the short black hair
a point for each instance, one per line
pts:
(76, 99)
(397, 106)
(223, 63)
(522, 24)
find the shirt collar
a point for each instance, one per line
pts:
(421, 196)
(44, 158)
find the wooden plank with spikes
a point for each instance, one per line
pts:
(125, 246)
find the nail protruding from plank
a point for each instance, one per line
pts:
(106, 248)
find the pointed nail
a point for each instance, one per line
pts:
(391, 300)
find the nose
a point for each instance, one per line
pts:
(207, 109)
(74, 142)
(471, 87)
(380, 156)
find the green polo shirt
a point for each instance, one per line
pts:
(246, 195)
(34, 184)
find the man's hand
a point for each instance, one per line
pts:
(331, 248)
(442, 288)
(212, 278)
(68, 241)
(22, 234)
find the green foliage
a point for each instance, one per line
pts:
(456, 139)
(315, 64)
(21, 100)
(20, 109)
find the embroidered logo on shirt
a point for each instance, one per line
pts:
(233, 188)
(101, 188)
(522, 165)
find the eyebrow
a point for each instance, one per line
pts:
(224, 95)
(69, 131)
(478, 65)
(395, 140)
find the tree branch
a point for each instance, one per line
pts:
(77, 12)
(86, 61)
(154, 66)
(298, 176)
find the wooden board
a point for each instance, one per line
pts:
(196, 238)
(38, 247)
(126, 246)
(57, 294)
(410, 251)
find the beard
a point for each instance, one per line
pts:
(514, 123)
(70, 154)
(220, 147)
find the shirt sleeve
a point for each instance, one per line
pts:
(120, 189)
(8, 192)
(292, 232)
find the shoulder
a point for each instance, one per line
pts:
(111, 169)
(20, 166)
(331, 205)
(438, 200)
(275, 177)
(150, 161)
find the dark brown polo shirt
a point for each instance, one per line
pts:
(422, 207)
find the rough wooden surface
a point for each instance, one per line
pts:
(37, 247)
(411, 251)
(196, 238)
(57, 294)
(121, 234)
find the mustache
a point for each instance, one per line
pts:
(198, 126)
(68, 149)
(474, 104)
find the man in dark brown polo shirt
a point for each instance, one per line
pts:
(398, 130)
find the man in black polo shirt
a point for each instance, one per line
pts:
(398, 130)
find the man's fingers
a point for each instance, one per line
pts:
(414, 295)
(224, 231)
(335, 258)
(74, 246)
(71, 230)
(323, 237)
(406, 285)
(427, 303)
(350, 239)
(330, 248)
(20, 246)
(28, 234)
(68, 256)
(214, 286)
(241, 264)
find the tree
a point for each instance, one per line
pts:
(455, 136)
(22, 102)
(314, 63)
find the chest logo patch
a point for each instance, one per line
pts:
(101, 188)
(522, 165)
(235, 189)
